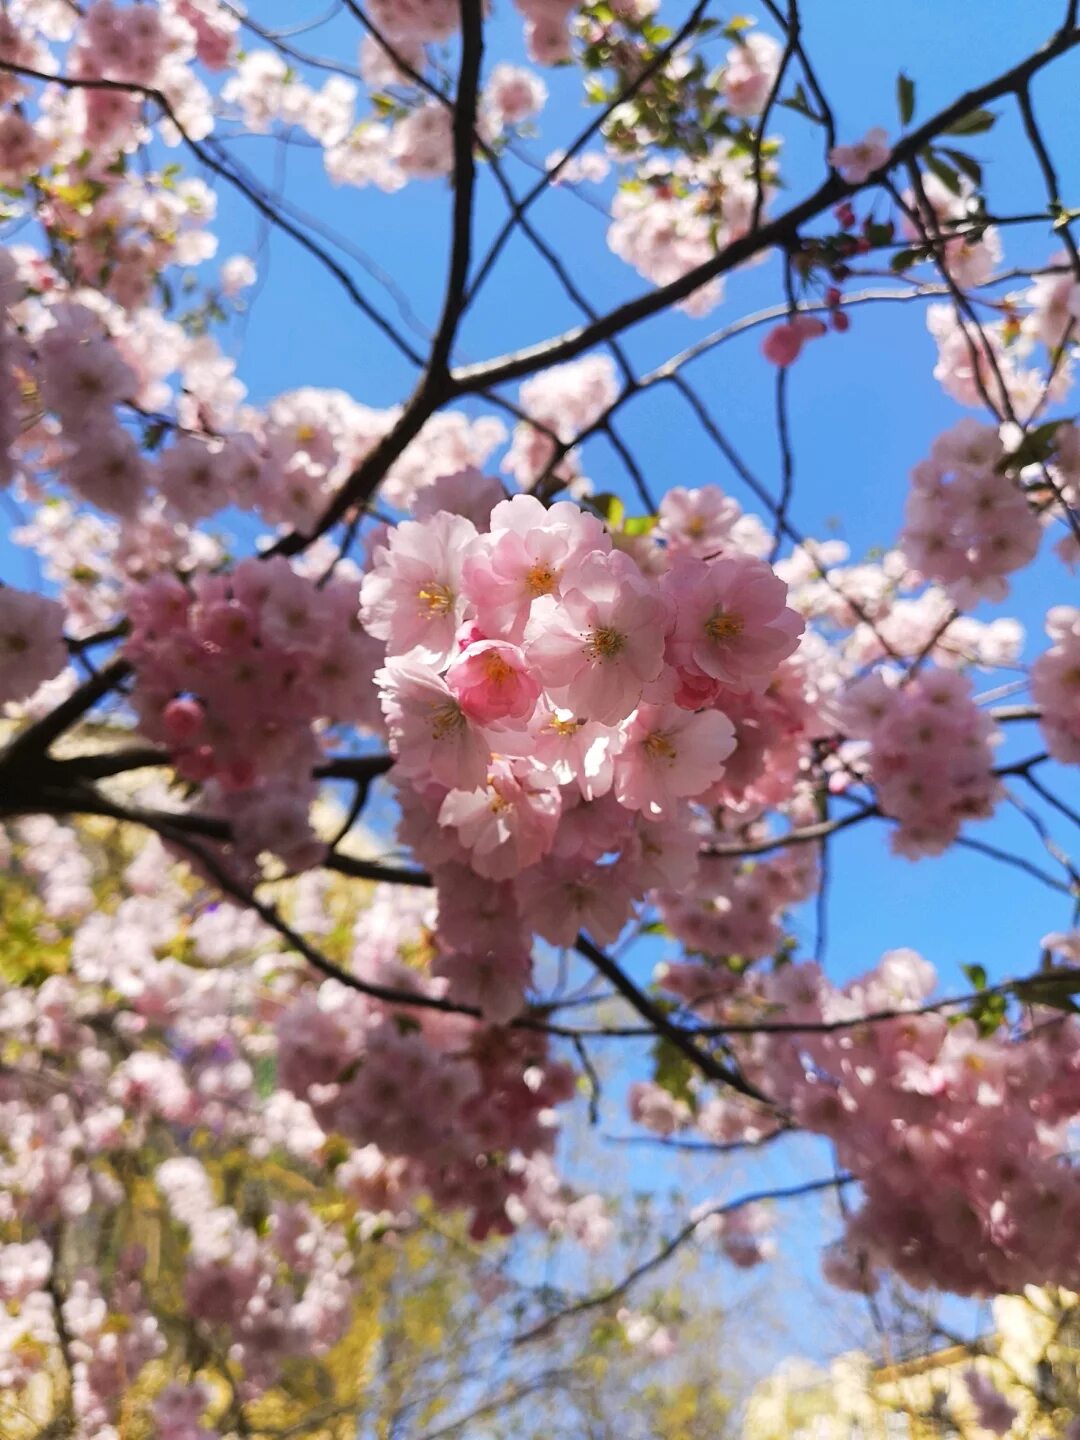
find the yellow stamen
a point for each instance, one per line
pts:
(436, 599)
(497, 667)
(565, 727)
(541, 580)
(659, 747)
(446, 720)
(723, 626)
(605, 643)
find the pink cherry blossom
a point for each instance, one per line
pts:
(433, 736)
(491, 682)
(601, 642)
(411, 597)
(669, 753)
(31, 642)
(732, 624)
(858, 162)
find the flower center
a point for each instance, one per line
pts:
(605, 642)
(541, 580)
(497, 668)
(696, 527)
(565, 727)
(722, 625)
(446, 720)
(658, 746)
(436, 599)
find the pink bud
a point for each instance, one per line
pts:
(183, 718)
(810, 327)
(782, 345)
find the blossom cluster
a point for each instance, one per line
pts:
(591, 722)
(173, 1034)
(954, 1131)
(232, 671)
(1055, 684)
(31, 642)
(553, 708)
(930, 755)
(967, 523)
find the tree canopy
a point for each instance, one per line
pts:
(393, 780)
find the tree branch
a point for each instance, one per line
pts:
(781, 231)
(668, 1249)
(464, 127)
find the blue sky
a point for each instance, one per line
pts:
(864, 407)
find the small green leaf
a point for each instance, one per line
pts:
(966, 164)
(153, 435)
(610, 507)
(903, 259)
(976, 974)
(988, 1012)
(799, 101)
(640, 524)
(905, 97)
(1052, 989)
(1036, 447)
(975, 122)
(672, 1071)
(944, 172)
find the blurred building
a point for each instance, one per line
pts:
(1024, 1375)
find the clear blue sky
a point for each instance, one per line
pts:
(863, 409)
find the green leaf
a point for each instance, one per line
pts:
(640, 524)
(1051, 988)
(988, 1012)
(610, 507)
(672, 1071)
(654, 927)
(799, 101)
(265, 1076)
(153, 435)
(966, 164)
(903, 259)
(1036, 447)
(905, 97)
(975, 122)
(944, 172)
(976, 974)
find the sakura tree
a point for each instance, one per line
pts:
(551, 704)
